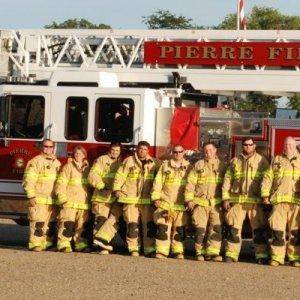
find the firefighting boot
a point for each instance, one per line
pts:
(66, 250)
(217, 258)
(179, 256)
(134, 254)
(262, 261)
(160, 256)
(103, 245)
(37, 249)
(229, 259)
(274, 263)
(200, 257)
(295, 264)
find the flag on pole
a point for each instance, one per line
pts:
(241, 23)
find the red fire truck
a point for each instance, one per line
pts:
(92, 87)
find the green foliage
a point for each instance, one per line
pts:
(294, 103)
(77, 24)
(164, 19)
(263, 18)
(258, 102)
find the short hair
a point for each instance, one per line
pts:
(143, 143)
(209, 143)
(115, 144)
(178, 145)
(48, 140)
(80, 148)
(248, 139)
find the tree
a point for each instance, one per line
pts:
(258, 102)
(77, 23)
(294, 103)
(263, 18)
(164, 19)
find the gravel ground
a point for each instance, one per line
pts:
(25, 274)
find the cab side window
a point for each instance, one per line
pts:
(25, 117)
(76, 118)
(114, 120)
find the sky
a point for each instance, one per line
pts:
(124, 14)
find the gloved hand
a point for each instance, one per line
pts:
(32, 202)
(226, 205)
(156, 203)
(190, 205)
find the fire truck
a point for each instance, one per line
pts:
(92, 87)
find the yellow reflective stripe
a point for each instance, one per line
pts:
(100, 186)
(212, 179)
(171, 206)
(177, 248)
(175, 181)
(64, 244)
(265, 193)
(225, 195)
(134, 200)
(75, 205)
(284, 198)
(148, 250)
(229, 173)
(80, 246)
(98, 198)
(269, 173)
(62, 198)
(30, 175)
(78, 181)
(110, 175)
(205, 202)
(46, 177)
(62, 180)
(138, 176)
(278, 258)
(192, 179)
(212, 251)
(293, 257)
(233, 255)
(165, 250)
(155, 195)
(45, 200)
(121, 174)
(243, 199)
(189, 196)
(30, 193)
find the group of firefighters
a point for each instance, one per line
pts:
(160, 199)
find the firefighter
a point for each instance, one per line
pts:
(39, 179)
(281, 188)
(241, 197)
(104, 205)
(203, 197)
(170, 215)
(73, 195)
(132, 187)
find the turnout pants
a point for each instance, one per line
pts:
(73, 224)
(235, 218)
(133, 213)
(285, 216)
(170, 231)
(208, 221)
(42, 227)
(107, 216)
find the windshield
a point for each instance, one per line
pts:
(3, 116)
(22, 116)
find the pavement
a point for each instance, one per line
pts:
(26, 274)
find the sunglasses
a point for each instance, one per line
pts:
(176, 152)
(246, 145)
(46, 146)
